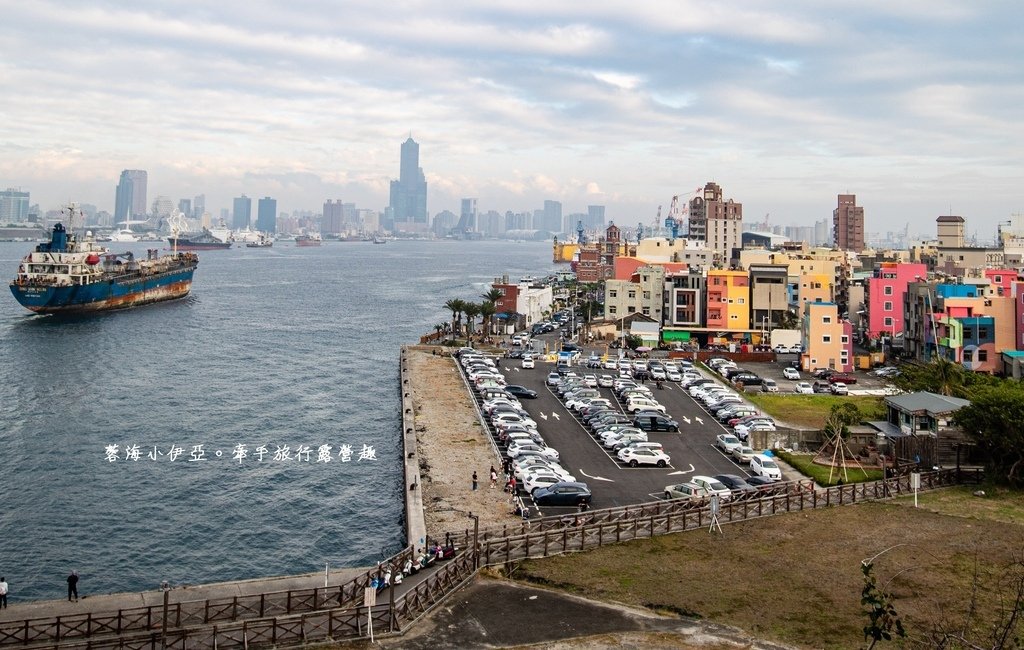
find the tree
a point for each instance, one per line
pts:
(789, 320)
(633, 341)
(471, 310)
(492, 296)
(995, 421)
(840, 418)
(455, 305)
(488, 310)
(882, 617)
(939, 376)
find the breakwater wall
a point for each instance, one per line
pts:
(415, 523)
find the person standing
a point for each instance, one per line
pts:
(474, 481)
(494, 477)
(3, 592)
(73, 586)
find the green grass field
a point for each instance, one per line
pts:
(826, 476)
(810, 411)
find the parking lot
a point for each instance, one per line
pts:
(613, 483)
(867, 383)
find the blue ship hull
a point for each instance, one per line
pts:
(117, 292)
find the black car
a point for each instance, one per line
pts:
(760, 481)
(520, 391)
(747, 379)
(655, 422)
(570, 347)
(562, 494)
(735, 483)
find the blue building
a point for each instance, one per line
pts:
(266, 215)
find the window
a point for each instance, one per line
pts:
(632, 293)
(887, 321)
(647, 311)
(887, 306)
(999, 279)
(982, 355)
(631, 309)
(888, 290)
(826, 319)
(612, 309)
(740, 301)
(982, 332)
(612, 293)
(826, 339)
(647, 295)
(844, 339)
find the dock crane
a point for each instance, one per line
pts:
(581, 233)
(639, 232)
(672, 220)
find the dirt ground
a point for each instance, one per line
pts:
(452, 444)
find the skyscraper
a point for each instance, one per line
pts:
(198, 206)
(848, 224)
(467, 218)
(130, 200)
(333, 219)
(409, 192)
(552, 221)
(266, 215)
(13, 206)
(185, 207)
(716, 222)
(595, 217)
(242, 213)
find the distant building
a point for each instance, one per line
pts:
(162, 207)
(828, 339)
(333, 219)
(409, 192)
(848, 224)
(130, 199)
(552, 220)
(595, 217)
(266, 215)
(14, 206)
(642, 293)
(467, 217)
(241, 215)
(445, 221)
(185, 207)
(716, 222)
(491, 223)
(198, 206)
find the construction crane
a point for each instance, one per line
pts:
(672, 220)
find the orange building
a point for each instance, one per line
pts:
(728, 306)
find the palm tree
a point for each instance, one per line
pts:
(471, 310)
(494, 295)
(488, 310)
(948, 376)
(455, 305)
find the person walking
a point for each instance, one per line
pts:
(3, 592)
(494, 477)
(474, 481)
(73, 586)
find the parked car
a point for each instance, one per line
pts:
(791, 373)
(803, 388)
(746, 378)
(635, 457)
(762, 465)
(528, 362)
(562, 494)
(521, 391)
(736, 484)
(821, 386)
(541, 479)
(554, 379)
(727, 442)
(839, 388)
(842, 377)
(689, 491)
(742, 454)
(655, 423)
(769, 386)
(713, 486)
(605, 381)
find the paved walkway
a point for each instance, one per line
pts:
(114, 602)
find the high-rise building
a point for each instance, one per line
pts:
(822, 233)
(185, 207)
(595, 217)
(552, 221)
(409, 192)
(332, 223)
(13, 206)
(467, 217)
(716, 222)
(130, 200)
(162, 207)
(241, 214)
(848, 224)
(198, 206)
(266, 215)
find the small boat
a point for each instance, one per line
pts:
(313, 239)
(203, 241)
(379, 240)
(262, 242)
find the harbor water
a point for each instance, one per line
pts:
(149, 444)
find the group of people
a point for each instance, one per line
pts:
(72, 581)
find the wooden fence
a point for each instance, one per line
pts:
(308, 616)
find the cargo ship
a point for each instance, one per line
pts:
(203, 241)
(308, 240)
(68, 276)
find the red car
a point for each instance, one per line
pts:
(843, 377)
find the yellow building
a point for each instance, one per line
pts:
(728, 305)
(564, 252)
(814, 287)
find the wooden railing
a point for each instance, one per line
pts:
(308, 616)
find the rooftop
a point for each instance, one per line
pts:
(924, 401)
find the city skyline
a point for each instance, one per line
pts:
(621, 105)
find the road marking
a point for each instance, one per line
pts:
(689, 471)
(515, 368)
(555, 415)
(542, 416)
(596, 478)
(686, 419)
(699, 420)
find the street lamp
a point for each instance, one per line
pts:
(476, 540)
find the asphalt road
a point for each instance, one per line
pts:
(612, 484)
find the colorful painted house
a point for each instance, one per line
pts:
(885, 292)
(728, 303)
(828, 339)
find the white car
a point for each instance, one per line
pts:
(528, 362)
(658, 373)
(791, 373)
(804, 388)
(634, 457)
(727, 442)
(590, 380)
(543, 478)
(761, 465)
(839, 388)
(532, 465)
(516, 448)
(605, 381)
(610, 364)
(744, 430)
(713, 486)
(673, 375)
(554, 379)
(742, 454)
(635, 405)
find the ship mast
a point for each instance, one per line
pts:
(177, 223)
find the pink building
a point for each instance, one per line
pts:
(1018, 301)
(1002, 280)
(884, 297)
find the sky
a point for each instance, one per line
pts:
(914, 106)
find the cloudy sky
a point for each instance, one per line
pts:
(914, 105)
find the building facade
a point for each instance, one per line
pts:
(130, 199)
(14, 206)
(241, 213)
(716, 222)
(728, 300)
(884, 297)
(828, 339)
(848, 224)
(266, 215)
(769, 295)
